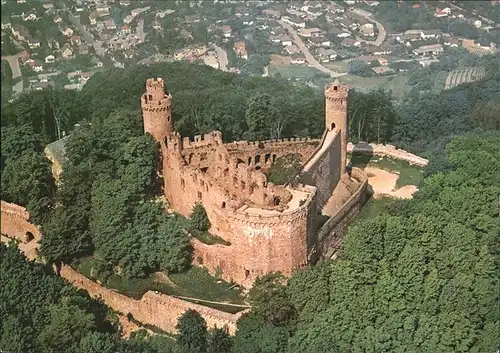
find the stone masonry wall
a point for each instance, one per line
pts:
(15, 223)
(387, 151)
(155, 309)
(259, 243)
(331, 233)
(325, 173)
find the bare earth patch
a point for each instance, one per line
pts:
(383, 183)
(280, 60)
(160, 277)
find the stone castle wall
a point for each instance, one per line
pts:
(325, 172)
(15, 223)
(259, 242)
(331, 233)
(387, 151)
(159, 310)
(155, 309)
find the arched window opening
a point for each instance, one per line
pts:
(29, 237)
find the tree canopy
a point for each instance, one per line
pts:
(421, 277)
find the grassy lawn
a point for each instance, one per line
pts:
(292, 71)
(408, 174)
(196, 282)
(372, 208)
(339, 66)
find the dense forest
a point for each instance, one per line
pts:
(421, 277)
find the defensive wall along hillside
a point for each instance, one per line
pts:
(390, 151)
(153, 308)
(160, 310)
(322, 169)
(15, 223)
(329, 237)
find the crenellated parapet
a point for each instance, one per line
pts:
(268, 144)
(209, 139)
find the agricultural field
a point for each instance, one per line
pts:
(458, 77)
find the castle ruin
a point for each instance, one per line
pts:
(269, 227)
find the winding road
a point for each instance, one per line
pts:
(221, 57)
(310, 59)
(89, 38)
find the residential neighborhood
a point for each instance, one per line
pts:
(60, 39)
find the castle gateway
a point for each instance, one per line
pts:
(269, 227)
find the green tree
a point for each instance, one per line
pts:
(199, 218)
(219, 341)
(65, 236)
(192, 336)
(68, 325)
(260, 110)
(254, 335)
(28, 181)
(270, 300)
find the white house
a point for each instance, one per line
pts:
(37, 67)
(68, 32)
(424, 50)
(50, 59)
(31, 17)
(298, 59)
(33, 43)
(430, 34)
(286, 41)
(66, 52)
(310, 32)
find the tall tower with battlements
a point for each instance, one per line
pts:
(157, 109)
(336, 115)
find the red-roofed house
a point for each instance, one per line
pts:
(241, 50)
(226, 31)
(442, 12)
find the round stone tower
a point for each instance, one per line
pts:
(336, 115)
(157, 109)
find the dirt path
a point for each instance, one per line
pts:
(310, 59)
(383, 183)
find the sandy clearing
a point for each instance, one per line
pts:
(383, 183)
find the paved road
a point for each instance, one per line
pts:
(139, 31)
(89, 38)
(222, 57)
(381, 30)
(310, 59)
